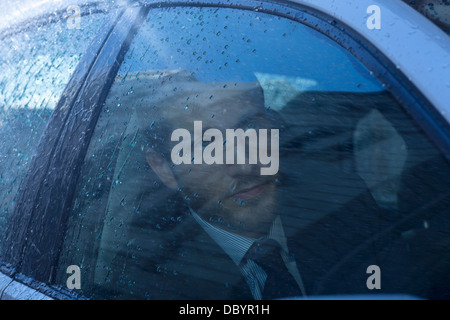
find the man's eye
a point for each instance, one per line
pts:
(205, 143)
(250, 125)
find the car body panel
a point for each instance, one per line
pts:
(14, 290)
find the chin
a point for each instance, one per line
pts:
(252, 219)
(245, 217)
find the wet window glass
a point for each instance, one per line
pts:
(437, 11)
(35, 66)
(241, 155)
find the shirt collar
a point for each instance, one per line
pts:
(236, 246)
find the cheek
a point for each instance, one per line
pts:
(203, 179)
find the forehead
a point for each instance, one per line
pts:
(216, 105)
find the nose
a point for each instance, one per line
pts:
(243, 156)
(241, 169)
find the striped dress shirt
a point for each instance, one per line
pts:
(236, 246)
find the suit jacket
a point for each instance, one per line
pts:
(181, 261)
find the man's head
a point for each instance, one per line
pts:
(231, 196)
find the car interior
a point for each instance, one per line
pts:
(359, 186)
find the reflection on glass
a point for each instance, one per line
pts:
(349, 193)
(35, 66)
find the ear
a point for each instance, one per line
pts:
(162, 169)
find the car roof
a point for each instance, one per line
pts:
(16, 12)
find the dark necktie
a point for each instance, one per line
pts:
(279, 283)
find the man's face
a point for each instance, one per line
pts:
(232, 196)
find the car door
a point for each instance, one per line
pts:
(45, 59)
(360, 181)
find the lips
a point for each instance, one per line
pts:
(250, 193)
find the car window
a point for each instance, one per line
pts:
(437, 11)
(242, 155)
(35, 66)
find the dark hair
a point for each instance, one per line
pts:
(158, 99)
